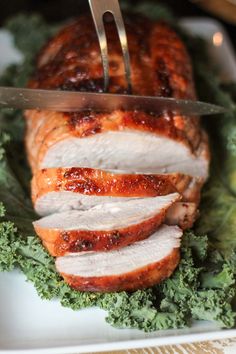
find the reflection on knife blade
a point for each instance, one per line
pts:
(69, 101)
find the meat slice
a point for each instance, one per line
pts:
(60, 189)
(103, 227)
(140, 265)
(129, 151)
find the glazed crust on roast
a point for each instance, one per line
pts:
(159, 60)
(60, 242)
(94, 182)
(138, 279)
(160, 67)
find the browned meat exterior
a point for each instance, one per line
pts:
(109, 180)
(61, 189)
(160, 63)
(102, 183)
(113, 226)
(138, 266)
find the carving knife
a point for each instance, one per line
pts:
(70, 101)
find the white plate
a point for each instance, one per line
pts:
(31, 325)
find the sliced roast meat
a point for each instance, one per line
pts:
(129, 151)
(164, 159)
(60, 189)
(140, 265)
(103, 227)
(142, 129)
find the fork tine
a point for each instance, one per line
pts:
(98, 9)
(123, 39)
(97, 13)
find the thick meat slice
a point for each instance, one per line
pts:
(56, 127)
(60, 189)
(57, 130)
(130, 151)
(103, 227)
(179, 213)
(141, 265)
(107, 141)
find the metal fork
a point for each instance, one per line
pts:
(98, 9)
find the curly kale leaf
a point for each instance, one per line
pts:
(7, 247)
(137, 310)
(214, 305)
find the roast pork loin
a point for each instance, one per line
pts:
(103, 227)
(140, 265)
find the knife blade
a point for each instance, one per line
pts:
(70, 101)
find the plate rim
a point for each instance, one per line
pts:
(128, 344)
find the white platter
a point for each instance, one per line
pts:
(31, 325)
